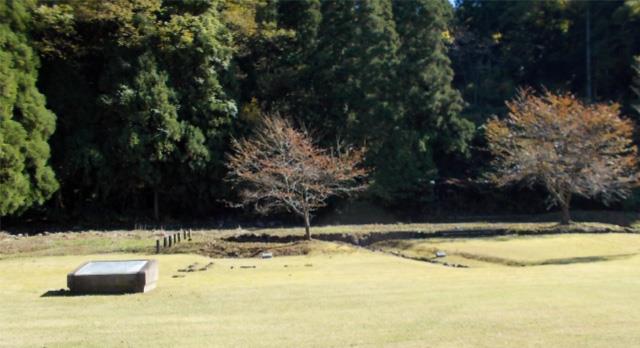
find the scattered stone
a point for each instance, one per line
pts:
(308, 265)
(247, 266)
(267, 255)
(440, 253)
(205, 267)
(178, 276)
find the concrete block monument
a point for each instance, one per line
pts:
(112, 277)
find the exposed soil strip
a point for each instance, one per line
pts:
(365, 239)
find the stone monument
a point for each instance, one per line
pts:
(109, 277)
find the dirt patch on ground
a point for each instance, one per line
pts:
(221, 248)
(230, 249)
(366, 239)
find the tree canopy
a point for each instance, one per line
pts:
(280, 168)
(566, 146)
(124, 109)
(26, 124)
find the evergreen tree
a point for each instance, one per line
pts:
(200, 74)
(353, 80)
(25, 122)
(432, 130)
(636, 85)
(147, 130)
(189, 49)
(302, 19)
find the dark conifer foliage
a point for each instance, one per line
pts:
(144, 116)
(26, 179)
(148, 94)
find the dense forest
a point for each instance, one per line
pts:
(126, 109)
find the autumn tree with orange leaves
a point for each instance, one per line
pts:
(281, 169)
(566, 146)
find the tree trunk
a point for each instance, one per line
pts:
(307, 227)
(156, 205)
(59, 201)
(566, 216)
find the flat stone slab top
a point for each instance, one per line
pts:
(113, 277)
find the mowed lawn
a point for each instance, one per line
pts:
(354, 298)
(521, 250)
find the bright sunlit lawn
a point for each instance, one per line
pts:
(521, 250)
(346, 297)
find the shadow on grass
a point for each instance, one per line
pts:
(58, 293)
(585, 259)
(560, 261)
(106, 224)
(69, 293)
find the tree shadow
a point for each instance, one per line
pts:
(585, 259)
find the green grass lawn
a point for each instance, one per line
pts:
(521, 250)
(347, 297)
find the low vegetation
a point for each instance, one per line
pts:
(360, 298)
(532, 284)
(519, 250)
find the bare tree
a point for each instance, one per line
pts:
(281, 169)
(568, 147)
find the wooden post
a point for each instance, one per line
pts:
(189, 234)
(178, 235)
(164, 241)
(175, 240)
(170, 240)
(184, 235)
(157, 246)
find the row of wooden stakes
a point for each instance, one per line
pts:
(173, 239)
